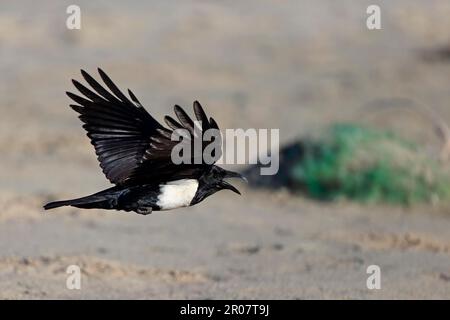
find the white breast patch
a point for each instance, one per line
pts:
(178, 193)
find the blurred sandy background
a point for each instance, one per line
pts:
(294, 65)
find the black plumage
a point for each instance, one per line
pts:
(134, 151)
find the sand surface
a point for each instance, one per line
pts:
(294, 65)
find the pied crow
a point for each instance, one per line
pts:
(134, 151)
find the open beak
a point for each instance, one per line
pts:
(231, 174)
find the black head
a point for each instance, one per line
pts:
(212, 181)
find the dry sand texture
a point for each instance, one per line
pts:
(294, 65)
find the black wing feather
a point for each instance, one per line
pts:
(98, 88)
(112, 86)
(172, 123)
(133, 97)
(184, 119)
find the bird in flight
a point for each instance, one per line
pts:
(134, 151)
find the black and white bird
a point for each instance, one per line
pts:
(134, 151)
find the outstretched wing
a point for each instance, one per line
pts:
(130, 144)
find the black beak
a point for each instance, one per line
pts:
(231, 174)
(226, 185)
